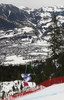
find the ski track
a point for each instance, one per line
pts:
(43, 96)
(49, 92)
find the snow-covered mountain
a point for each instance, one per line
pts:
(36, 18)
(11, 16)
(24, 32)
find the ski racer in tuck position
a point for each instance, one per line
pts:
(26, 78)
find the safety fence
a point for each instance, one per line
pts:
(36, 88)
(53, 81)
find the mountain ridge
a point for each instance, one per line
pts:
(36, 16)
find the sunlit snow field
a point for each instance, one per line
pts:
(54, 92)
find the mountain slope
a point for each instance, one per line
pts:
(24, 32)
(39, 19)
(12, 14)
(6, 24)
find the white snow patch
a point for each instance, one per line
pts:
(42, 42)
(38, 53)
(47, 25)
(14, 45)
(22, 7)
(45, 14)
(27, 29)
(9, 12)
(60, 18)
(15, 60)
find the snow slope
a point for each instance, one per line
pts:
(54, 92)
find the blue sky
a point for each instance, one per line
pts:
(33, 3)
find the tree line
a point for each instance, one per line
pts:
(54, 65)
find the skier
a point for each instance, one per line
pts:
(26, 78)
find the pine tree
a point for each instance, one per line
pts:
(56, 41)
(49, 70)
